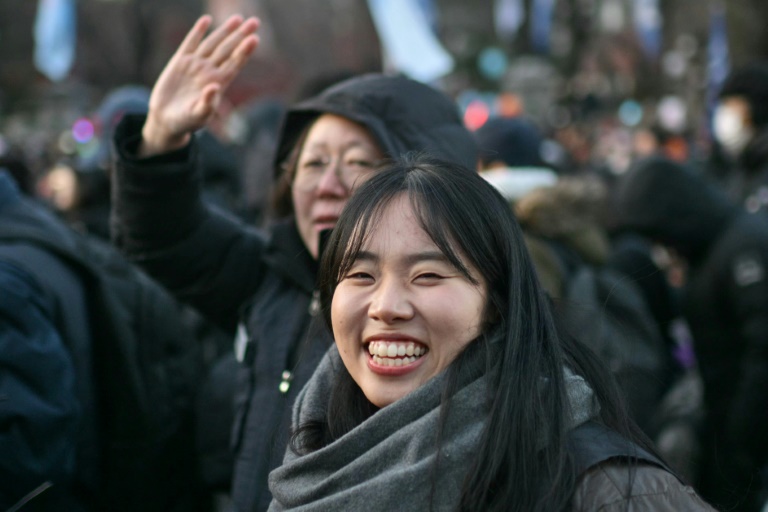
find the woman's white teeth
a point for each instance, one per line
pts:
(388, 351)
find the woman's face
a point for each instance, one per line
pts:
(402, 313)
(337, 155)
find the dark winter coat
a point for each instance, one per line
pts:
(262, 280)
(725, 303)
(47, 428)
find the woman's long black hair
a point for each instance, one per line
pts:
(525, 356)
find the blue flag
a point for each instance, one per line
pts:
(410, 46)
(718, 60)
(55, 38)
(541, 25)
(648, 23)
(508, 17)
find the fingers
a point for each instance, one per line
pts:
(237, 59)
(210, 43)
(208, 101)
(195, 34)
(233, 41)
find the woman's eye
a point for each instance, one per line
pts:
(367, 164)
(313, 163)
(359, 276)
(429, 276)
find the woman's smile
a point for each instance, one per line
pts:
(395, 357)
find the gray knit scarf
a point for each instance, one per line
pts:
(386, 463)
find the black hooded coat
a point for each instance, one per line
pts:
(725, 303)
(261, 284)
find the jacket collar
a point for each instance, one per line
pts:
(288, 256)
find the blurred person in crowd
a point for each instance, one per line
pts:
(740, 127)
(450, 386)
(13, 162)
(655, 140)
(725, 303)
(565, 235)
(47, 437)
(512, 156)
(78, 189)
(563, 230)
(59, 414)
(80, 198)
(261, 284)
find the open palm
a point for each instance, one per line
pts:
(185, 95)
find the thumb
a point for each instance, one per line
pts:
(209, 100)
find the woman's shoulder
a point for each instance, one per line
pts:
(619, 485)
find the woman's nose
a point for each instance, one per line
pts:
(390, 302)
(330, 183)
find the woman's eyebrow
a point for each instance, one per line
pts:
(410, 259)
(366, 256)
(426, 256)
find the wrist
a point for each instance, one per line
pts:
(155, 141)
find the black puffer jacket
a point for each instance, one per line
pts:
(726, 305)
(264, 281)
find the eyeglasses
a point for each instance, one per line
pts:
(349, 173)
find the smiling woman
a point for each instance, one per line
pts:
(402, 312)
(450, 387)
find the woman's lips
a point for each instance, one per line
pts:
(324, 223)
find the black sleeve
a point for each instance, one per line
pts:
(204, 256)
(747, 418)
(39, 411)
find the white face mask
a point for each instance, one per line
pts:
(730, 130)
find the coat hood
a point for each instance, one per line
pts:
(402, 115)
(569, 212)
(672, 204)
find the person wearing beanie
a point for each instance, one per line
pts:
(511, 156)
(725, 303)
(740, 127)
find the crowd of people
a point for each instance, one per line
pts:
(419, 317)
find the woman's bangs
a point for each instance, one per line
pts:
(355, 234)
(434, 218)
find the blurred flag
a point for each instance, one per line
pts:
(718, 61)
(410, 46)
(541, 24)
(429, 8)
(508, 17)
(55, 37)
(648, 23)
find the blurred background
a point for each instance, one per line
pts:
(605, 79)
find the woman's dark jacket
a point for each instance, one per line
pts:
(262, 282)
(725, 303)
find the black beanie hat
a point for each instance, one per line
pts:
(516, 141)
(751, 82)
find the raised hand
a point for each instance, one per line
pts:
(188, 90)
